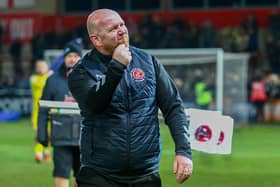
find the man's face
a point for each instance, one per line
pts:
(41, 67)
(113, 32)
(71, 59)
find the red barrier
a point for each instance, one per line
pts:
(19, 26)
(25, 26)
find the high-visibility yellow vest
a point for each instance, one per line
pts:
(37, 84)
(203, 97)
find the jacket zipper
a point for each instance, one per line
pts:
(128, 114)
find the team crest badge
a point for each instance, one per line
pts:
(203, 133)
(137, 74)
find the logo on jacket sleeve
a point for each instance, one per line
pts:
(137, 74)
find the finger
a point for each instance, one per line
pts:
(175, 166)
(189, 168)
(185, 175)
(187, 171)
(182, 179)
(126, 41)
(180, 172)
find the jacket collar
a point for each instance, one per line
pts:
(95, 62)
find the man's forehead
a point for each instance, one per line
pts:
(111, 19)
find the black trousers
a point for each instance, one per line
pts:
(65, 159)
(88, 177)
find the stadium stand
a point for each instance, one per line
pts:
(249, 27)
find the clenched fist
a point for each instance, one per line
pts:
(182, 167)
(122, 54)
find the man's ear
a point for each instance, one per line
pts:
(95, 40)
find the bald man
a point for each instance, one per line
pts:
(119, 89)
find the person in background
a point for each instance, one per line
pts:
(203, 93)
(56, 63)
(119, 89)
(15, 52)
(65, 128)
(258, 95)
(37, 83)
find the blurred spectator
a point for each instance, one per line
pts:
(258, 96)
(1, 35)
(191, 36)
(81, 32)
(144, 31)
(131, 26)
(37, 82)
(273, 53)
(171, 38)
(8, 82)
(151, 31)
(23, 81)
(135, 38)
(16, 55)
(273, 88)
(253, 40)
(50, 39)
(225, 39)
(208, 34)
(250, 23)
(179, 84)
(239, 39)
(157, 31)
(203, 93)
(274, 21)
(178, 23)
(38, 46)
(58, 61)
(64, 37)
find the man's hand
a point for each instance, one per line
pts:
(182, 167)
(122, 54)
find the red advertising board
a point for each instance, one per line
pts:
(19, 26)
(25, 26)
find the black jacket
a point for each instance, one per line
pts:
(65, 129)
(120, 132)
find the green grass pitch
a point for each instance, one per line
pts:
(254, 162)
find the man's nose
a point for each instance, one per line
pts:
(121, 30)
(74, 59)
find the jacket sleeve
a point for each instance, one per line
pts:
(171, 105)
(91, 94)
(42, 131)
